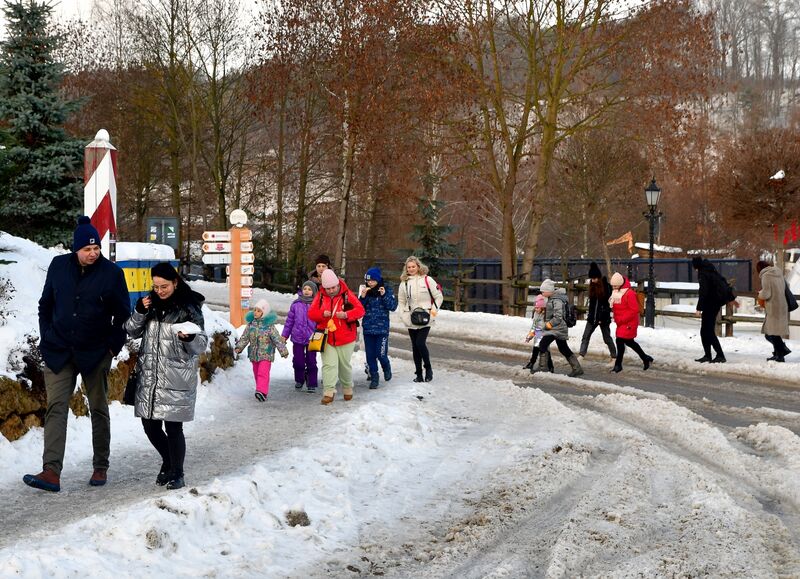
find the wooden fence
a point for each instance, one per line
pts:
(578, 294)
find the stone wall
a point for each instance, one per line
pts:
(23, 402)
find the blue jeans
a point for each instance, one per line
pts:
(376, 348)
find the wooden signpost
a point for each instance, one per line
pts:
(233, 247)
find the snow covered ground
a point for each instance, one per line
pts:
(463, 477)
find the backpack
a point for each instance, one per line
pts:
(723, 290)
(570, 315)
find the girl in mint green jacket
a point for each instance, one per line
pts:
(262, 338)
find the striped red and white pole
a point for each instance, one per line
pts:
(100, 190)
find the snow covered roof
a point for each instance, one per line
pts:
(132, 250)
(659, 248)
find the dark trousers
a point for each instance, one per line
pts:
(59, 389)
(171, 445)
(305, 365)
(633, 345)
(376, 349)
(605, 329)
(562, 346)
(420, 349)
(708, 335)
(778, 345)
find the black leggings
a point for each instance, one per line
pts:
(633, 345)
(562, 346)
(170, 445)
(708, 334)
(420, 349)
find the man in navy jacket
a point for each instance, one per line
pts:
(81, 312)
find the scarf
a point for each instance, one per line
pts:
(373, 291)
(305, 299)
(616, 295)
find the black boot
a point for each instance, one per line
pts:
(529, 365)
(646, 361)
(428, 374)
(719, 359)
(704, 359)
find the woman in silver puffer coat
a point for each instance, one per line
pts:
(167, 366)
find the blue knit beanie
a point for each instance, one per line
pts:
(373, 274)
(85, 234)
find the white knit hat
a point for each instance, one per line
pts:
(548, 285)
(617, 279)
(263, 305)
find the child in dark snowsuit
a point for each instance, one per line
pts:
(378, 300)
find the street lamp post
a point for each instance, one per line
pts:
(652, 194)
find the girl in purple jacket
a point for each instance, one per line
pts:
(300, 328)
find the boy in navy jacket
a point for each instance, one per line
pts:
(378, 300)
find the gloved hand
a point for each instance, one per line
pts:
(549, 326)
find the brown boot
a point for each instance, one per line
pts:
(327, 399)
(347, 395)
(99, 477)
(47, 480)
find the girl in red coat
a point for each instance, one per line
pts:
(338, 310)
(626, 315)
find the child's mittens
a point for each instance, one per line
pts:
(548, 326)
(530, 336)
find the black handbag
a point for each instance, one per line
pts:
(129, 396)
(791, 301)
(420, 317)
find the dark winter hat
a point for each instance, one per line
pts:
(322, 258)
(761, 265)
(594, 271)
(164, 270)
(312, 285)
(85, 234)
(697, 262)
(373, 274)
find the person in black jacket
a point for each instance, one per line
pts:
(81, 312)
(714, 293)
(599, 313)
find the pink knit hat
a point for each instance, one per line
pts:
(263, 305)
(540, 302)
(617, 279)
(329, 279)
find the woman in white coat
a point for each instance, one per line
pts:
(419, 300)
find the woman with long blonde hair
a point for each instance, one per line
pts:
(419, 300)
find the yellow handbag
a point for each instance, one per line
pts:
(318, 341)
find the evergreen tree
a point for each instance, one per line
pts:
(40, 165)
(431, 236)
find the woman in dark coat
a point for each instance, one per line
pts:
(167, 366)
(599, 313)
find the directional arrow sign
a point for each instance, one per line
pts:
(248, 258)
(247, 292)
(216, 258)
(246, 235)
(246, 280)
(217, 247)
(246, 246)
(216, 236)
(248, 269)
